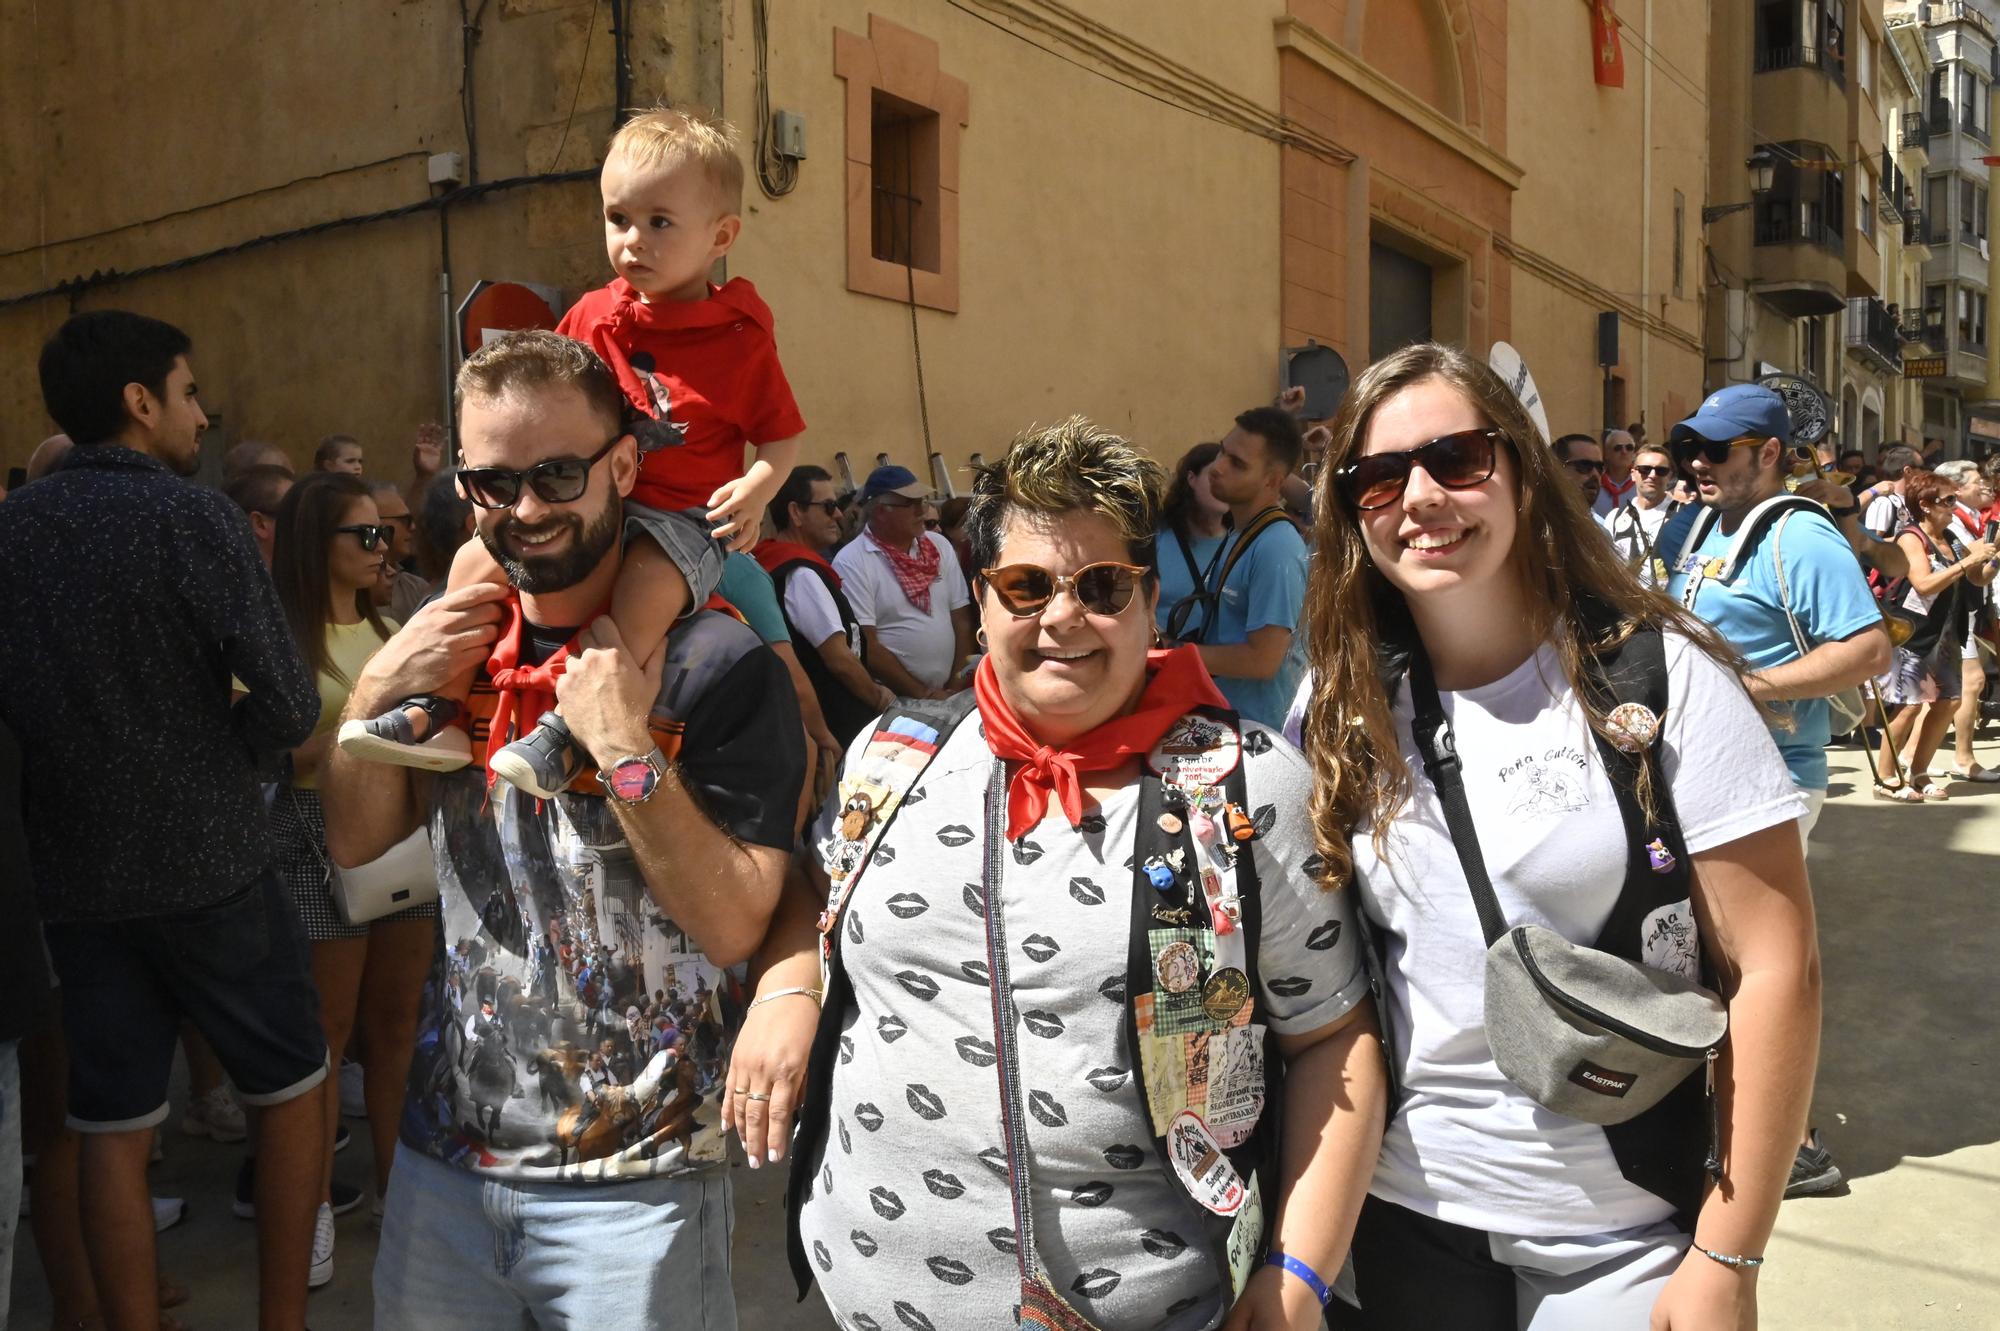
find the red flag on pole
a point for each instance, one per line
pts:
(1607, 61)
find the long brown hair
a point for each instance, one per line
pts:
(307, 518)
(1582, 600)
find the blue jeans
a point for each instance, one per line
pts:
(10, 1165)
(460, 1251)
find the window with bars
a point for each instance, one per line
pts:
(903, 139)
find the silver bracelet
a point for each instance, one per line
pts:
(818, 995)
(1729, 1260)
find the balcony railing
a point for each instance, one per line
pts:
(1916, 130)
(1922, 328)
(1913, 227)
(1871, 328)
(1791, 224)
(1893, 190)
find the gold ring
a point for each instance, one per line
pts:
(739, 1090)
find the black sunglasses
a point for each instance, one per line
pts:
(557, 481)
(830, 507)
(1455, 461)
(1715, 452)
(369, 534)
(1650, 470)
(1585, 465)
(1102, 589)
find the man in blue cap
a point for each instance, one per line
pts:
(1727, 571)
(909, 595)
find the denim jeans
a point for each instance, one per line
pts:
(10, 1165)
(461, 1252)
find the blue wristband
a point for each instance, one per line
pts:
(1298, 1268)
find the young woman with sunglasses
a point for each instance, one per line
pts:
(1448, 532)
(326, 561)
(1003, 886)
(1944, 580)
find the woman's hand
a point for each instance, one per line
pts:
(1705, 1295)
(769, 1059)
(1275, 1300)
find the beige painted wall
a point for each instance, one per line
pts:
(177, 130)
(1589, 238)
(1119, 256)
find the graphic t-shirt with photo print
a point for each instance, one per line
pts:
(908, 1220)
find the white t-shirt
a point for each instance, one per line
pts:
(1887, 514)
(1468, 1147)
(810, 608)
(925, 643)
(1635, 531)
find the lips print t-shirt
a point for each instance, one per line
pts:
(907, 1220)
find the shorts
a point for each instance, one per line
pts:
(1414, 1271)
(1910, 678)
(463, 1252)
(237, 969)
(684, 538)
(298, 831)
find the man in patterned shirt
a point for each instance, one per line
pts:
(553, 1171)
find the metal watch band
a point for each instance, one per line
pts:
(653, 760)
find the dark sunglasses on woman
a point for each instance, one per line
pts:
(1455, 461)
(1025, 590)
(369, 534)
(557, 481)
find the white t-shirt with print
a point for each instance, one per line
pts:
(1470, 1148)
(908, 1220)
(924, 641)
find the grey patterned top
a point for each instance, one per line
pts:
(907, 1218)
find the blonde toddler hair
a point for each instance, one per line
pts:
(663, 139)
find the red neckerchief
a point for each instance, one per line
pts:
(914, 572)
(612, 335)
(525, 691)
(774, 555)
(1617, 491)
(1179, 682)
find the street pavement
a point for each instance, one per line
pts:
(1908, 1087)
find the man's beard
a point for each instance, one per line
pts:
(538, 574)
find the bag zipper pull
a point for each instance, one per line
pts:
(1714, 1162)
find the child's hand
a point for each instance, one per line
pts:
(736, 511)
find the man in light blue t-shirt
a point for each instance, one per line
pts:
(1735, 445)
(1253, 645)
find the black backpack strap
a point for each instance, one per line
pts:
(1435, 742)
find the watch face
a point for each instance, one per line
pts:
(633, 780)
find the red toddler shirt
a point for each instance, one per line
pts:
(707, 367)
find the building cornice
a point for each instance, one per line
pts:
(1557, 274)
(1050, 23)
(1314, 46)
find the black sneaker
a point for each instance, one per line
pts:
(543, 762)
(392, 738)
(1813, 1170)
(342, 1139)
(345, 1195)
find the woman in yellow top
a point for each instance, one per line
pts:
(327, 560)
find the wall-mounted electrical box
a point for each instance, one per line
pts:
(788, 135)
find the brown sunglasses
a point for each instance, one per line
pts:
(1102, 589)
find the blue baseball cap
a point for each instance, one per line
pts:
(1737, 412)
(893, 480)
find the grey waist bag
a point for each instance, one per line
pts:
(1583, 1033)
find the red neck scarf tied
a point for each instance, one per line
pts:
(526, 691)
(1177, 683)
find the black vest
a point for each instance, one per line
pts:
(845, 714)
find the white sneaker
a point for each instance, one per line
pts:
(353, 1099)
(215, 1115)
(322, 1254)
(168, 1212)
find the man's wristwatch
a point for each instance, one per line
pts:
(633, 779)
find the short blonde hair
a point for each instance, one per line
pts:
(663, 139)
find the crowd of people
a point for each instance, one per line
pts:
(584, 799)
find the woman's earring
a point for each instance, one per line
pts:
(979, 636)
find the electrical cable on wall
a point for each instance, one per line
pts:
(778, 175)
(582, 69)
